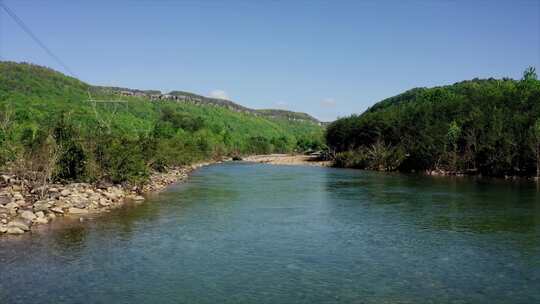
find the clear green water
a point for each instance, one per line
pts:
(246, 233)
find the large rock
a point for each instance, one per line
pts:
(21, 203)
(74, 210)
(41, 206)
(62, 204)
(111, 195)
(94, 198)
(18, 224)
(6, 178)
(103, 202)
(28, 215)
(4, 200)
(14, 230)
(65, 192)
(41, 220)
(103, 185)
(79, 202)
(17, 196)
(57, 210)
(11, 206)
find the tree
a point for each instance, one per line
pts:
(453, 134)
(530, 74)
(536, 145)
(481, 125)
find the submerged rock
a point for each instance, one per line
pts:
(74, 210)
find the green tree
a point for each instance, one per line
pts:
(536, 145)
(476, 125)
(530, 74)
(453, 134)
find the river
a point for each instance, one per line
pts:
(255, 233)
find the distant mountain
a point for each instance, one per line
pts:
(183, 96)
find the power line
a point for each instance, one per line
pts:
(1, 28)
(25, 28)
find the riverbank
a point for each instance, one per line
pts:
(22, 209)
(288, 159)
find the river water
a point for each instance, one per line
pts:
(254, 233)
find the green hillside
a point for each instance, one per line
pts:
(46, 115)
(482, 126)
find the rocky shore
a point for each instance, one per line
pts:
(22, 209)
(287, 159)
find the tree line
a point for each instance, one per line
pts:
(483, 126)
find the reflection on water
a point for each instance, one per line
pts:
(254, 233)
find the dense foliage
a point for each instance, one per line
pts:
(489, 127)
(50, 128)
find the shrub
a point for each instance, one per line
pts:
(121, 160)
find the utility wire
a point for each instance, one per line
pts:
(1, 28)
(25, 28)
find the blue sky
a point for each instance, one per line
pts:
(326, 58)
